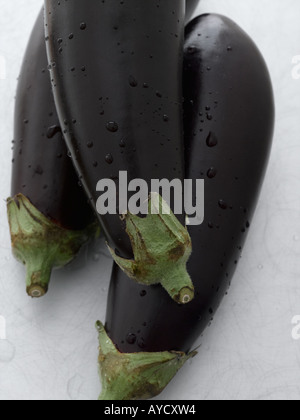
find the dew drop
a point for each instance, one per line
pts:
(112, 126)
(109, 159)
(83, 26)
(90, 144)
(192, 49)
(131, 338)
(143, 293)
(122, 143)
(39, 170)
(53, 130)
(211, 173)
(211, 140)
(141, 343)
(132, 81)
(223, 205)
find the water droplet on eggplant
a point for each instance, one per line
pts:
(112, 126)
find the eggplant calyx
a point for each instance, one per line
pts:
(162, 247)
(40, 244)
(135, 376)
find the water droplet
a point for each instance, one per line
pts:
(90, 144)
(71, 36)
(192, 49)
(112, 126)
(223, 205)
(211, 173)
(39, 170)
(69, 154)
(83, 26)
(229, 48)
(166, 118)
(141, 343)
(158, 94)
(132, 81)
(211, 140)
(143, 293)
(109, 159)
(95, 164)
(260, 267)
(131, 338)
(52, 131)
(122, 143)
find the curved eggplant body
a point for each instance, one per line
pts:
(45, 188)
(229, 122)
(116, 68)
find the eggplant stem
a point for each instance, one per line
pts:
(135, 376)
(162, 247)
(41, 244)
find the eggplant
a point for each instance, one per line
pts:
(191, 6)
(49, 215)
(229, 122)
(117, 86)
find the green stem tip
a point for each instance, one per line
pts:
(162, 247)
(40, 244)
(135, 376)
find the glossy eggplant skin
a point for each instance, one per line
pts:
(229, 123)
(190, 9)
(42, 170)
(116, 85)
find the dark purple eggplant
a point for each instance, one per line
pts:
(191, 6)
(118, 91)
(229, 122)
(49, 215)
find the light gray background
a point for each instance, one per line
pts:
(248, 353)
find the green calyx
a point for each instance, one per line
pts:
(40, 244)
(162, 247)
(135, 376)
